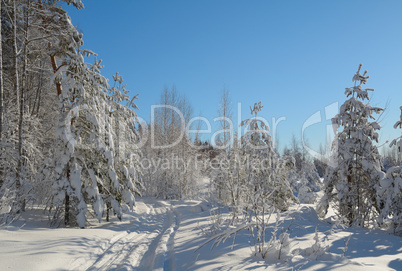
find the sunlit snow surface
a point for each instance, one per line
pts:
(163, 235)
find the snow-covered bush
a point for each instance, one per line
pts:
(390, 191)
(305, 182)
(310, 174)
(317, 249)
(310, 183)
(278, 248)
(390, 197)
(306, 195)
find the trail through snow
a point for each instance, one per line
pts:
(148, 247)
(166, 235)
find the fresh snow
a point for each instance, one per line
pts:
(165, 235)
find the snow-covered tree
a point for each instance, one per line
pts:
(352, 184)
(310, 173)
(309, 183)
(127, 160)
(265, 170)
(172, 172)
(224, 137)
(235, 183)
(90, 167)
(31, 28)
(267, 187)
(81, 164)
(66, 136)
(390, 192)
(224, 176)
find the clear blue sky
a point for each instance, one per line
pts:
(297, 57)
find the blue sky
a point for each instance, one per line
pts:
(296, 57)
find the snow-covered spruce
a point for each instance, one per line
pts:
(390, 192)
(353, 183)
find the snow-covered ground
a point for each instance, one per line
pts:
(163, 235)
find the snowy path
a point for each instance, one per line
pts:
(164, 235)
(148, 247)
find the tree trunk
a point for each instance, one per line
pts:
(108, 207)
(67, 203)
(349, 206)
(1, 78)
(67, 210)
(55, 68)
(17, 91)
(15, 52)
(23, 90)
(67, 197)
(36, 103)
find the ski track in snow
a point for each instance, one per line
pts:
(150, 246)
(163, 235)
